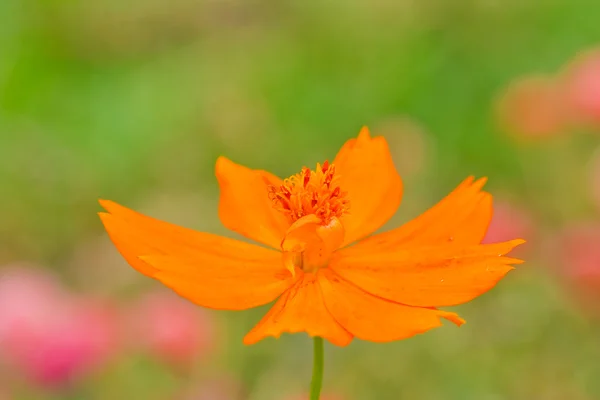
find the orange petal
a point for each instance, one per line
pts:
(370, 318)
(313, 242)
(461, 218)
(244, 205)
(210, 270)
(430, 276)
(374, 187)
(300, 309)
(301, 234)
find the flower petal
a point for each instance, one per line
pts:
(435, 276)
(210, 270)
(374, 187)
(300, 309)
(461, 218)
(244, 206)
(371, 318)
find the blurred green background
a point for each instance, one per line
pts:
(134, 101)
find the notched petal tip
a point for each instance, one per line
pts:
(120, 234)
(480, 182)
(113, 208)
(105, 203)
(105, 218)
(509, 261)
(510, 246)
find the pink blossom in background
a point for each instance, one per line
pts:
(29, 298)
(594, 176)
(582, 88)
(51, 337)
(79, 339)
(510, 221)
(579, 256)
(171, 328)
(533, 108)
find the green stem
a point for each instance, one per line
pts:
(317, 377)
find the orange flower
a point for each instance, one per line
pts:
(330, 278)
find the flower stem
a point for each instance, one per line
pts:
(317, 377)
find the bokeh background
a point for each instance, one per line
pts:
(134, 100)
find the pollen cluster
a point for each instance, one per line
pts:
(311, 192)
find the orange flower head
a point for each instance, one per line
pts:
(314, 203)
(329, 274)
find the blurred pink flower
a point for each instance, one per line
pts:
(582, 88)
(28, 298)
(171, 328)
(533, 108)
(51, 338)
(509, 221)
(580, 261)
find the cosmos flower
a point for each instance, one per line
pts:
(533, 108)
(318, 259)
(49, 336)
(170, 328)
(578, 253)
(581, 81)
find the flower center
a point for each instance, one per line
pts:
(311, 192)
(314, 202)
